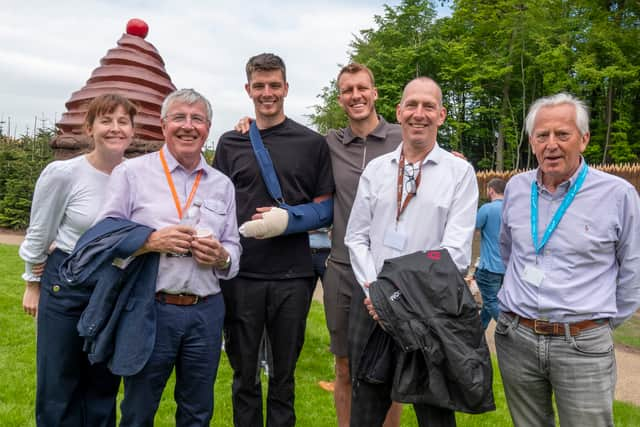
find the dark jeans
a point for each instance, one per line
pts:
(70, 391)
(188, 338)
(489, 284)
(282, 307)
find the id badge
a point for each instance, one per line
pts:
(533, 275)
(395, 240)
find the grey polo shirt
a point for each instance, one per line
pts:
(349, 156)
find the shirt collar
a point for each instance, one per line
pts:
(564, 185)
(379, 133)
(434, 156)
(173, 164)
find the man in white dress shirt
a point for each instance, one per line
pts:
(417, 197)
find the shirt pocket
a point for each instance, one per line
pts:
(214, 215)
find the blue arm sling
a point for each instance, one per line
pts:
(304, 217)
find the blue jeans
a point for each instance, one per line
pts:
(579, 372)
(188, 338)
(489, 284)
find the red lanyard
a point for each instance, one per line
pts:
(402, 205)
(172, 187)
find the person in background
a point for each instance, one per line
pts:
(67, 197)
(490, 271)
(570, 240)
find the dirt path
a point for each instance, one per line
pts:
(628, 360)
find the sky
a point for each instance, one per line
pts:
(49, 49)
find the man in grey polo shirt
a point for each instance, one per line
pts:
(367, 137)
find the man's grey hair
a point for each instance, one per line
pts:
(189, 97)
(582, 112)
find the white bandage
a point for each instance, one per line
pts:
(273, 223)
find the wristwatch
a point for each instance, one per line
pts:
(227, 263)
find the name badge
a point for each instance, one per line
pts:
(533, 275)
(395, 240)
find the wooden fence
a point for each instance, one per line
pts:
(628, 171)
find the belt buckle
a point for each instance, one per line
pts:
(538, 326)
(195, 299)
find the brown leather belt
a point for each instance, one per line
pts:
(542, 327)
(180, 299)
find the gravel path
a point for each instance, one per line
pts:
(628, 360)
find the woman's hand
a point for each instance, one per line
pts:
(31, 298)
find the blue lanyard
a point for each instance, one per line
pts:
(568, 198)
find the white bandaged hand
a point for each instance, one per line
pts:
(273, 223)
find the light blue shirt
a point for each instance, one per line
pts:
(591, 263)
(488, 222)
(138, 191)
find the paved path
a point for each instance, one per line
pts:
(628, 361)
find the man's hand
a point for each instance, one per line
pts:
(458, 154)
(265, 223)
(370, 308)
(209, 251)
(31, 298)
(243, 125)
(175, 239)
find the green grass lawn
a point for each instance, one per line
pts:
(629, 332)
(314, 407)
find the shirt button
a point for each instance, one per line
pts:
(56, 288)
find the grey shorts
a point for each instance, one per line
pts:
(338, 283)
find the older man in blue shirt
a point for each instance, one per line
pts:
(571, 241)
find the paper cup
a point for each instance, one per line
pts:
(204, 233)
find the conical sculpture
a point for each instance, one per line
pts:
(133, 69)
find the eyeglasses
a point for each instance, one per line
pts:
(181, 119)
(410, 173)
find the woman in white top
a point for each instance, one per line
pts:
(66, 200)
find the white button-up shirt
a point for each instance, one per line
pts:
(441, 215)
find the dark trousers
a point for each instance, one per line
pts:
(70, 391)
(188, 338)
(370, 403)
(280, 306)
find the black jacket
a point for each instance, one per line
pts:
(424, 303)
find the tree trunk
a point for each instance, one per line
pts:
(609, 115)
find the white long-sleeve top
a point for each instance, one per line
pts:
(66, 200)
(441, 215)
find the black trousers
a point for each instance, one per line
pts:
(370, 403)
(70, 391)
(280, 307)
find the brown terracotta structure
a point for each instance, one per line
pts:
(134, 69)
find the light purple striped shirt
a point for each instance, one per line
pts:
(591, 263)
(138, 191)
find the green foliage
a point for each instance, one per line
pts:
(21, 161)
(493, 58)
